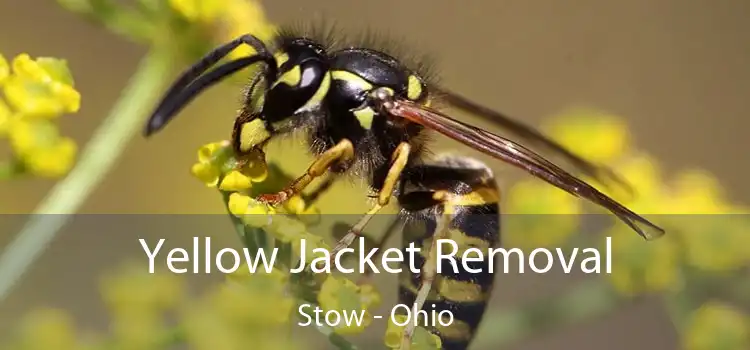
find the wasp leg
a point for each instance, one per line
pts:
(365, 279)
(341, 152)
(398, 163)
(429, 273)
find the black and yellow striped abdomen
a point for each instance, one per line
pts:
(473, 200)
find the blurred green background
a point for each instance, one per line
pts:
(676, 71)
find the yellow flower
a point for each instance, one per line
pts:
(48, 329)
(251, 212)
(370, 296)
(422, 339)
(39, 146)
(131, 289)
(258, 300)
(540, 215)
(714, 238)
(241, 17)
(342, 295)
(716, 326)
(640, 266)
(5, 118)
(235, 181)
(41, 88)
(4, 69)
(53, 161)
(206, 173)
(198, 10)
(595, 135)
(642, 172)
(216, 161)
(697, 192)
(137, 330)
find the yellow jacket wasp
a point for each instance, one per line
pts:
(366, 113)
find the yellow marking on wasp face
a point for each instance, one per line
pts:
(281, 58)
(365, 117)
(291, 77)
(413, 88)
(351, 78)
(320, 94)
(458, 330)
(459, 291)
(253, 134)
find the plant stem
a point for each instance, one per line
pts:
(101, 153)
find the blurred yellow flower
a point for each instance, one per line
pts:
(540, 215)
(595, 135)
(640, 266)
(5, 118)
(38, 144)
(642, 172)
(241, 17)
(131, 289)
(45, 329)
(258, 300)
(137, 330)
(422, 339)
(716, 326)
(250, 309)
(343, 295)
(37, 91)
(199, 10)
(4, 69)
(697, 192)
(41, 88)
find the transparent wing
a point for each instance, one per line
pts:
(521, 157)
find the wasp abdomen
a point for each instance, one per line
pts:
(463, 193)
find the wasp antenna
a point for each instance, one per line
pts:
(183, 91)
(179, 100)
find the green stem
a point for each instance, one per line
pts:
(586, 301)
(101, 153)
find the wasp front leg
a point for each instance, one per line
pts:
(342, 152)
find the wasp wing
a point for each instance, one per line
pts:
(519, 156)
(531, 135)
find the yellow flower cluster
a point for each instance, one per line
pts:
(36, 92)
